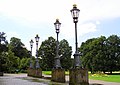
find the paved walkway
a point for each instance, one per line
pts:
(98, 82)
(94, 82)
(23, 79)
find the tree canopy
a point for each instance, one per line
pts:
(47, 52)
(18, 48)
(101, 54)
(97, 54)
(12, 54)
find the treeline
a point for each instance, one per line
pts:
(14, 57)
(97, 54)
(101, 54)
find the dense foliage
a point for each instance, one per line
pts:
(97, 54)
(13, 55)
(18, 48)
(101, 54)
(47, 53)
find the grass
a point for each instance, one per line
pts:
(47, 72)
(105, 77)
(115, 77)
(50, 72)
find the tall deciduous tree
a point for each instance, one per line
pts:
(101, 54)
(65, 52)
(3, 42)
(3, 50)
(87, 54)
(12, 62)
(113, 53)
(47, 53)
(18, 48)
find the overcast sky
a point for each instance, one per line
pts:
(26, 18)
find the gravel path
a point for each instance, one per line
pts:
(23, 79)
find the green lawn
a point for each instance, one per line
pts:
(47, 72)
(50, 72)
(103, 77)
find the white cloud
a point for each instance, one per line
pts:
(69, 32)
(45, 10)
(97, 22)
(32, 12)
(99, 9)
(87, 28)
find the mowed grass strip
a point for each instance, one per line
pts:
(50, 72)
(47, 72)
(105, 77)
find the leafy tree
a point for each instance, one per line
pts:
(19, 48)
(93, 53)
(87, 54)
(3, 42)
(3, 50)
(24, 64)
(113, 53)
(101, 54)
(12, 61)
(47, 53)
(65, 52)
(3, 58)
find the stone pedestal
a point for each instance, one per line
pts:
(1, 73)
(58, 75)
(35, 72)
(78, 77)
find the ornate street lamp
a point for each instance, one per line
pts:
(37, 61)
(57, 59)
(75, 15)
(31, 45)
(77, 75)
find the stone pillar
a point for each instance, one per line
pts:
(38, 73)
(58, 75)
(30, 72)
(35, 72)
(78, 76)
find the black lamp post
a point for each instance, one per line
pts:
(31, 45)
(75, 15)
(37, 61)
(57, 59)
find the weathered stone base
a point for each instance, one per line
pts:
(78, 77)
(35, 72)
(58, 75)
(1, 73)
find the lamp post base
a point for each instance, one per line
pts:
(78, 76)
(35, 72)
(58, 75)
